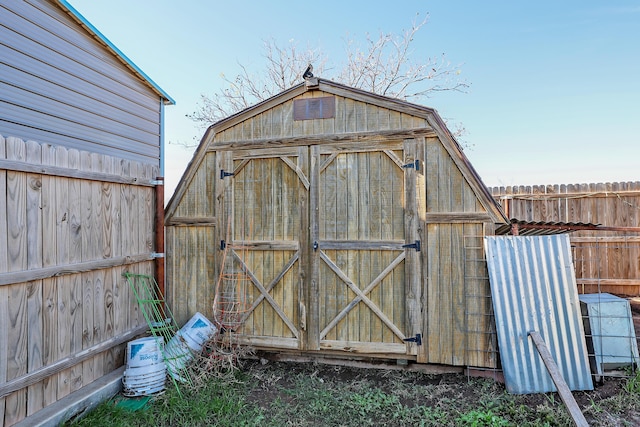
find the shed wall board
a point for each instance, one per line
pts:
(198, 200)
(190, 267)
(448, 190)
(351, 116)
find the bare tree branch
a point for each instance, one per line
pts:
(385, 66)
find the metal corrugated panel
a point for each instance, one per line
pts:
(533, 288)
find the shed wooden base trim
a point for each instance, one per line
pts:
(78, 402)
(256, 342)
(494, 374)
(366, 364)
(390, 349)
(336, 354)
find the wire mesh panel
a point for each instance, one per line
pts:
(606, 283)
(481, 340)
(231, 303)
(160, 321)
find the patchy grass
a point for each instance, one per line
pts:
(287, 394)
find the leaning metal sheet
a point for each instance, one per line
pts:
(533, 288)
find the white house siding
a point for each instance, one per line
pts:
(61, 86)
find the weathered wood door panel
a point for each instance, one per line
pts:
(364, 220)
(265, 211)
(319, 235)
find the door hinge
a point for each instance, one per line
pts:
(417, 339)
(413, 165)
(224, 174)
(415, 245)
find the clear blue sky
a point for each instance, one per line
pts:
(555, 85)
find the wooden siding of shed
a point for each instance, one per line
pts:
(453, 288)
(59, 85)
(351, 116)
(197, 203)
(191, 270)
(67, 233)
(190, 244)
(457, 323)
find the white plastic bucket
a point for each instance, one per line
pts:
(197, 331)
(176, 355)
(187, 341)
(145, 371)
(144, 351)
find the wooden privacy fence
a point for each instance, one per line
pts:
(605, 261)
(71, 222)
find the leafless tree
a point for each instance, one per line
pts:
(284, 66)
(384, 65)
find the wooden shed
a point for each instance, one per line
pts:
(355, 220)
(81, 136)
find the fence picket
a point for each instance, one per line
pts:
(55, 214)
(604, 261)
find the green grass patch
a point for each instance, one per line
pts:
(280, 394)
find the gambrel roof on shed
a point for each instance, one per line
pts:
(358, 117)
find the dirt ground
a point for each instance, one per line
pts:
(449, 392)
(449, 387)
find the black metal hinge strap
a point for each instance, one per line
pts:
(417, 339)
(413, 165)
(224, 174)
(415, 245)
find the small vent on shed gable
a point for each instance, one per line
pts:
(314, 108)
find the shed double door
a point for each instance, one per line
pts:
(327, 241)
